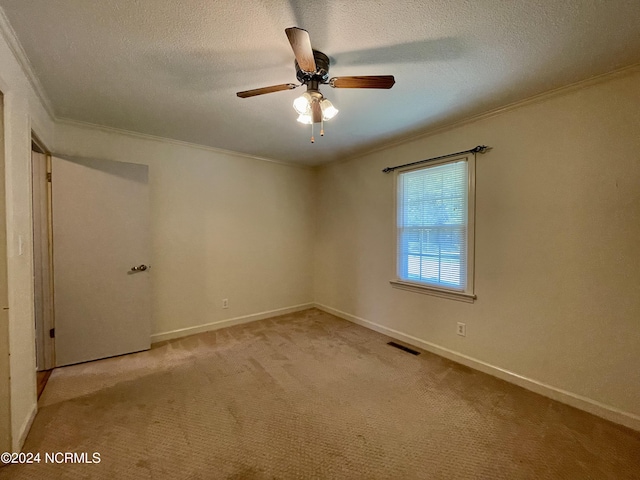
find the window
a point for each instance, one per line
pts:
(435, 227)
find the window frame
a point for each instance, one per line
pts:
(466, 295)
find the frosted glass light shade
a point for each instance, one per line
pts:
(328, 110)
(305, 118)
(302, 104)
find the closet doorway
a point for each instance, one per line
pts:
(42, 260)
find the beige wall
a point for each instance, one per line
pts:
(23, 112)
(557, 269)
(223, 226)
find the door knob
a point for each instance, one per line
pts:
(139, 268)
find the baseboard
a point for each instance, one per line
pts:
(183, 332)
(19, 439)
(594, 407)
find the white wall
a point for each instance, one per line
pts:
(22, 112)
(222, 226)
(557, 247)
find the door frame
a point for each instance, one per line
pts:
(43, 257)
(5, 378)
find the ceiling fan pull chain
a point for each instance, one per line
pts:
(322, 127)
(313, 140)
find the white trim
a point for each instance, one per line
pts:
(180, 143)
(446, 126)
(563, 90)
(184, 332)
(435, 291)
(9, 34)
(581, 402)
(24, 430)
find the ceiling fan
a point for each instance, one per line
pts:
(312, 70)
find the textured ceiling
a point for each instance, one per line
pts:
(171, 68)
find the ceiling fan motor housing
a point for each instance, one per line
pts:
(321, 75)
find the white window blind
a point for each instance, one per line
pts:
(432, 225)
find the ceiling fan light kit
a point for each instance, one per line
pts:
(304, 105)
(312, 70)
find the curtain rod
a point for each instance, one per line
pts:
(478, 149)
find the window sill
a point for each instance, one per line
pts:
(435, 291)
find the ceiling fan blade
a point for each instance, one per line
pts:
(301, 45)
(262, 91)
(316, 112)
(371, 81)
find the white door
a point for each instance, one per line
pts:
(100, 234)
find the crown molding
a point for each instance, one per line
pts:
(540, 97)
(556, 92)
(171, 141)
(9, 35)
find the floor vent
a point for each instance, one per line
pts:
(402, 347)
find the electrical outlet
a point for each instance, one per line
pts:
(462, 329)
(225, 303)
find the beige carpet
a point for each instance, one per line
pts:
(310, 396)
